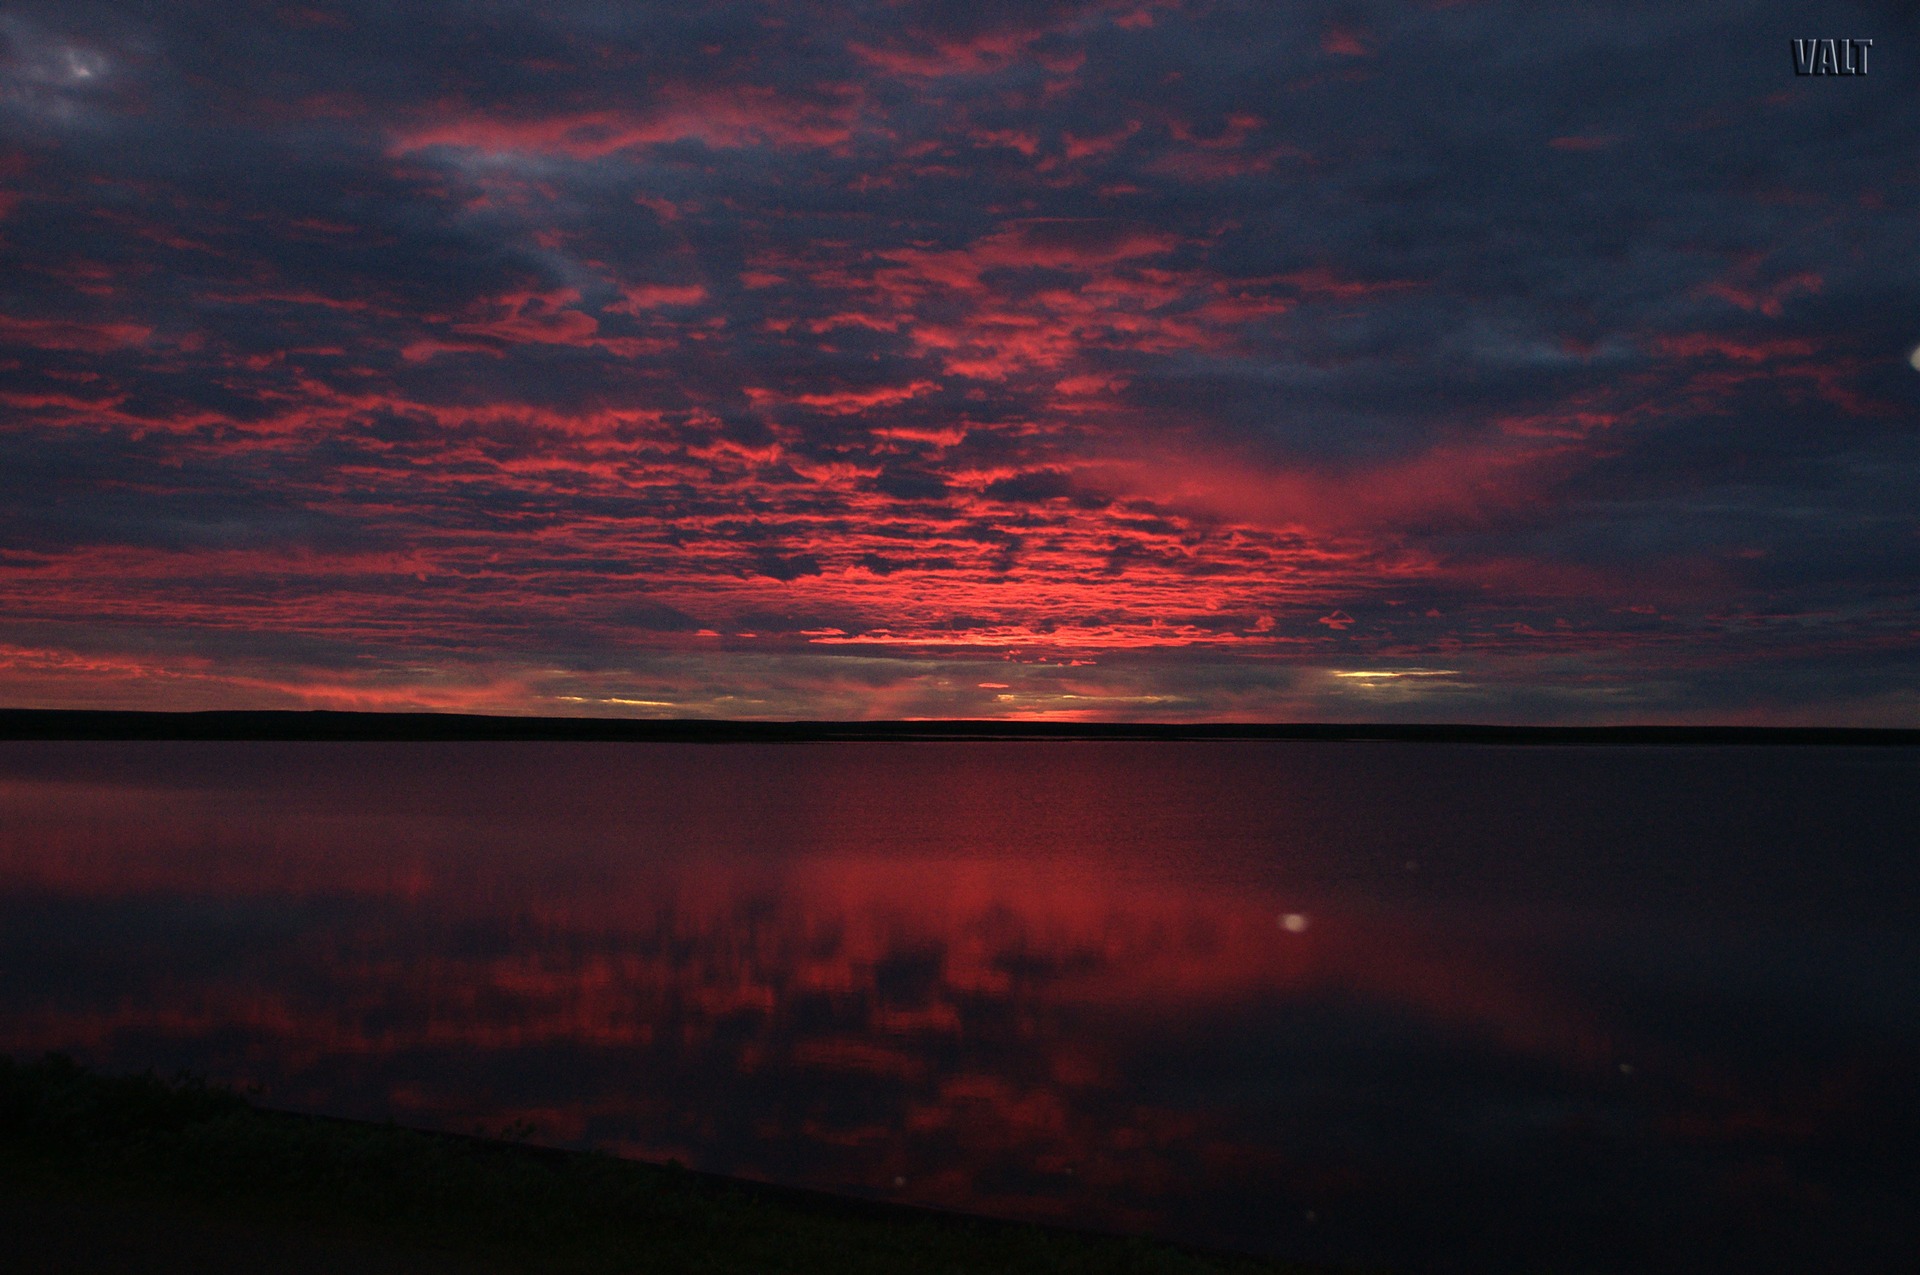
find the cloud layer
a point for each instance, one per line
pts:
(1108, 360)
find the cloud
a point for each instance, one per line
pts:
(1079, 329)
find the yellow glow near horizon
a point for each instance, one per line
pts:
(1408, 672)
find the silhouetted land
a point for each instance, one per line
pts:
(120, 1174)
(324, 725)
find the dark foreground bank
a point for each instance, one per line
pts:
(124, 1174)
(319, 725)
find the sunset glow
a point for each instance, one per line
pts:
(1149, 361)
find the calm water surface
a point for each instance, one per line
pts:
(1437, 1007)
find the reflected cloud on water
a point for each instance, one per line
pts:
(1156, 990)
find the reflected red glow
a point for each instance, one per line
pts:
(994, 973)
(1117, 989)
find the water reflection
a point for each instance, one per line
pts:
(1449, 1009)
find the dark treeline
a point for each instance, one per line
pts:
(53, 724)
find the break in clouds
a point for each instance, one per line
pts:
(1145, 360)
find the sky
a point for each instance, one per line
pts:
(1448, 361)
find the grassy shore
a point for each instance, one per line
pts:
(189, 1164)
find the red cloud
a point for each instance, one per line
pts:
(63, 334)
(846, 401)
(541, 317)
(1347, 41)
(1695, 345)
(1320, 282)
(936, 58)
(740, 117)
(1078, 148)
(1743, 289)
(652, 296)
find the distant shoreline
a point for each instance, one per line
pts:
(326, 725)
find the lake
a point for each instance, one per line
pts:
(1435, 1007)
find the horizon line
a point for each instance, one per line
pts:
(425, 726)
